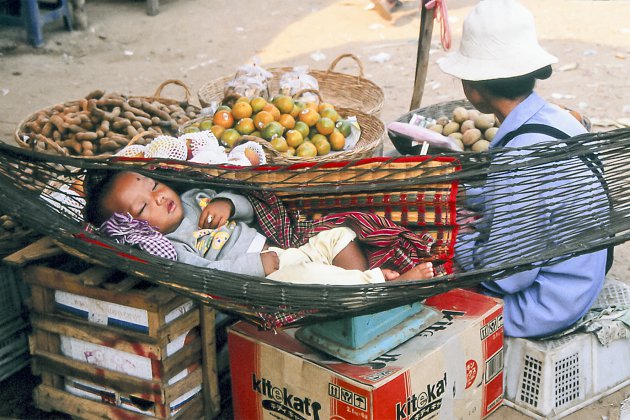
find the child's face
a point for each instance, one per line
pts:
(145, 199)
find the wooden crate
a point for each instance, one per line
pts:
(168, 318)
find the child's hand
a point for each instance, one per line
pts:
(216, 214)
(270, 262)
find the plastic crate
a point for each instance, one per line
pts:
(551, 379)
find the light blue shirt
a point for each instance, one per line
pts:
(542, 300)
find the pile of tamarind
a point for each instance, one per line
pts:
(101, 123)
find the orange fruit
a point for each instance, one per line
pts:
(205, 125)
(258, 103)
(243, 99)
(329, 113)
(287, 121)
(337, 140)
(317, 138)
(323, 147)
(290, 151)
(229, 137)
(262, 119)
(245, 125)
(242, 110)
(324, 105)
(345, 127)
(294, 138)
(306, 149)
(325, 126)
(217, 130)
(309, 116)
(280, 144)
(271, 108)
(224, 118)
(297, 107)
(256, 134)
(302, 128)
(312, 105)
(272, 129)
(284, 103)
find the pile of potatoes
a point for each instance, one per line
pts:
(101, 123)
(472, 130)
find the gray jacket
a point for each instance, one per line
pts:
(232, 256)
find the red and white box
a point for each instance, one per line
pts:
(453, 369)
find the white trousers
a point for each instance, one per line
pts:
(312, 262)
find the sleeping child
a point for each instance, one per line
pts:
(215, 230)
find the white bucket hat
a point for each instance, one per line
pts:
(498, 41)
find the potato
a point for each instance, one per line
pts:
(442, 120)
(466, 125)
(456, 135)
(458, 141)
(484, 121)
(480, 146)
(450, 128)
(460, 114)
(437, 128)
(472, 114)
(490, 133)
(471, 136)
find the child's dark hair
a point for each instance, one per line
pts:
(97, 186)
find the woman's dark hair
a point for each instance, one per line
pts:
(514, 87)
(97, 186)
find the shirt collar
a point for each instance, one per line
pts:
(519, 116)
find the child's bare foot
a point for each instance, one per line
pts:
(390, 274)
(419, 272)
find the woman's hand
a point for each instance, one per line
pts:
(216, 214)
(270, 262)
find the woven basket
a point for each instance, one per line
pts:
(340, 89)
(25, 137)
(403, 144)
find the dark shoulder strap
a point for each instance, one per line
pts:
(591, 160)
(533, 128)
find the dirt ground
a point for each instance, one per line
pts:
(195, 41)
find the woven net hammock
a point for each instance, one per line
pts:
(556, 206)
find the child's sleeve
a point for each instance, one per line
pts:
(249, 263)
(243, 210)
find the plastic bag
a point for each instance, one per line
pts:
(250, 80)
(298, 80)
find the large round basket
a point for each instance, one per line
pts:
(340, 89)
(405, 145)
(369, 143)
(84, 126)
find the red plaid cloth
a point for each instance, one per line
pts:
(387, 245)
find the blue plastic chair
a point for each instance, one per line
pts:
(33, 16)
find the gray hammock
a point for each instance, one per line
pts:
(562, 206)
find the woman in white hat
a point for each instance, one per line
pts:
(498, 62)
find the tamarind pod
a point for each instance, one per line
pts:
(33, 127)
(72, 145)
(100, 133)
(154, 110)
(104, 127)
(47, 129)
(84, 116)
(86, 136)
(56, 135)
(120, 123)
(129, 115)
(71, 109)
(157, 129)
(118, 102)
(166, 124)
(137, 125)
(135, 102)
(87, 125)
(69, 119)
(50, 144)
(120, 140)
(178, 114)
(95, 94)
(190, 109)
(59, 108)
(155, 120)
(41, 118)
(95, 119)
(114, 113)
(58, 122)
(87, 145)
(134, 110)
(88, 153)
(76, 128)
(131, 131)
(95, 110)
(108, 146)
(83, 104)
(144, 121)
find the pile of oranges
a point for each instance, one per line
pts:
(293, 128)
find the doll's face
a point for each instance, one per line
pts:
(145, 199)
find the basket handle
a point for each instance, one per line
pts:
(333, 64)
(303, 91)
(158, 91)
(51, 143)
(142, 135)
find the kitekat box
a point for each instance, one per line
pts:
(453, 369)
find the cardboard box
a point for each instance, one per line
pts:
(452, 370)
